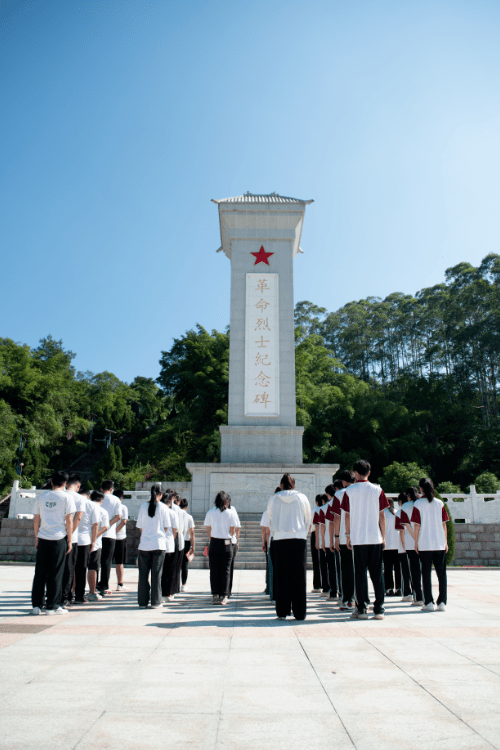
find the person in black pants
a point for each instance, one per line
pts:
(315, 544)
(220, 523)
(346, 564)
(112, 506)
(412, 495)
(289, 516)
(189, 544)
(72, 488)
(429, 519)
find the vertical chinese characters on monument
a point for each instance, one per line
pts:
(262, 345)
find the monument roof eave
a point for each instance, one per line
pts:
(261, 198)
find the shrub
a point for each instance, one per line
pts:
(397, 477)
(448, 488)
(487, 482)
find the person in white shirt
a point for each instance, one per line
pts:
(265, 546)
(407, 595)
(72, 489)
(392, 570)
(412, 495)
(180, 538)
(322, 502)
(97, 497)
(328, 543)
(364, 504)
(87, 535)
(120, 556)
(220, 525)
(289, 516)
(53, 525)
(153, 521)
(189, 544)
(111, 505)
(235, 544)
(170, 549)
(315, 546)
(429, 518)
(346, 562)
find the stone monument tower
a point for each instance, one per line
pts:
(260, 234)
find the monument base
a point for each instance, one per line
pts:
(251, 485)
(261, 444)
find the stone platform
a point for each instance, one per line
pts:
(195, 676)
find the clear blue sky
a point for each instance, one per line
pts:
(121, 119)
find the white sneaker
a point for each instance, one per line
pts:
(441, 607)
(37, 611)
(408, 598)
(379, 616)
(428, 607)
(417, 604)
(122, 588)
(57, 611)
(184, 588)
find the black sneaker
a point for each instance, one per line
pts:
(81, 601)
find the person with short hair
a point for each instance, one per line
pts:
(406, 592)
(364, 504)
(412, 495)
(346, 479)
(392, 570)
(289, 516)
(72, 489)
(120, 554)
(189, 544)
(429, 519)
(97, 497)
(328, 543)
(53, 525)
(112, 506)
(87, 535)
(181, 540)
(219, 523)
(315, 546)
(153, 521)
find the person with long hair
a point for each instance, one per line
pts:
(429, 519)
(220, 525)
(171, 536)
(392, 570)
(289, 516)
(412, 495)
(407, 595)
(153, 522)
(315, 540)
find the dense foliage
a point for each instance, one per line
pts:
(410, 383)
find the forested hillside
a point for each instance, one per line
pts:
(403, 379)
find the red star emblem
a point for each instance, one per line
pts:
(262, 256)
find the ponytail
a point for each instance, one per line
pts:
(155, 491)
(427, 488)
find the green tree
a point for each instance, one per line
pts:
(399, 476)
(487, 482)
(448, 488)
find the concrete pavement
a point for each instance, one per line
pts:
(190, 675)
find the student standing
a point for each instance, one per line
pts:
(72, 488)
(364, 504)
(120, 555)
(87, 536)
(170, 549)
(181, 521)
(392, 570)
(189, 544)
(153, 522)
(407, 595)
(265, 546)
(346, 559)
(413, 557)
(53, 530)
(328, 543)
(289, 515)
(315, 539)
(97, 497)
(219, 523)
(429, 519)
(111, 505)
(320, 531)
(235, 544)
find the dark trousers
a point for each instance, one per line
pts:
(438, 559)
(289, 562)
(234, 548)
(185, 563)
(82, 562)
(150, 562)
(69, 573)
(416, 574)
(347, 568)
(270, 555)
(405, 573)
(315, 562)
(368, 558)
(220, 556)
(166, 576)
(108, 550)
(392, 571)
(49, 569)
(325, 583)
(175, 581)
(331, 564)
(267, 568)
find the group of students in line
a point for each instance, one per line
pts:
(355, 530)
(79, 534)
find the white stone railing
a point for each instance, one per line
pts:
(471, 508)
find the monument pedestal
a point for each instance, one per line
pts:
(261, 444)
(251, 485)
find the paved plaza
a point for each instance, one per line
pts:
(190, 675)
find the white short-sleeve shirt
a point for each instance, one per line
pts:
(392, 539)
(91, 515)
(103, 521)
(405, 517)
(112, 506)
(153, 529)
(53, 507)
(122, 534)
(79, 503)
(430, 516)
(364, 501)
(220, 522)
